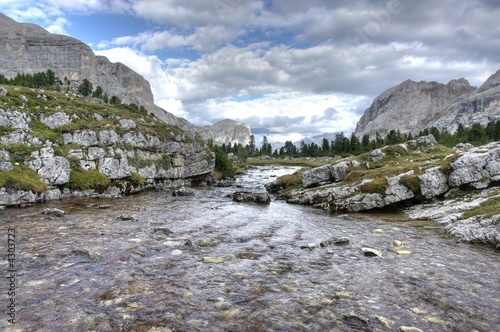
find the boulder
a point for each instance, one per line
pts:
(82, 137)
(53, 170)
(244, 196)
(468, 168)
(127, 124)
(396, 192)
(17, 197)
(95, 153)
(53, 212)
(433, 183)
(55, 120)
(5, 164)
(114, 168)
(316, 176)
(108, 137)
(14, 119)
(183, 192)
(375, 155)
(327, 173)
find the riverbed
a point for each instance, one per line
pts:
(206, 263)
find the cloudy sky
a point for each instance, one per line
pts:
(290, 67)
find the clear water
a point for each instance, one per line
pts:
(90, 271)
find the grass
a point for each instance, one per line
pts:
(136, 179)
(289, 182)
(22, 178)
(377, 186)
(285, 162)
(81, 179)
(411, 182)
(486, 209)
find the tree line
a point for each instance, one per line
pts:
(352, 145)
(49, 81)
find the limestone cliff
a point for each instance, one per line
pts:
(411, 107)
(227, 131)
(29, 49)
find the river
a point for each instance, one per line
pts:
(206, 263)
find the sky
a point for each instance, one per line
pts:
(288, 68)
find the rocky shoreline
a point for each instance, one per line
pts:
(419, 173)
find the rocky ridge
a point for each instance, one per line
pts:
(29, 49)
(413, 106)
(417, 171)
(60, 137)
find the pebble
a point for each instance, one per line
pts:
(397, 243)
(409, 329)
(309, 246)
(176, 252)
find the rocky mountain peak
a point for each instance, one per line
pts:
(492, 82)
(412, 106)
(227, 131)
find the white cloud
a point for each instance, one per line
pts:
(287, 62)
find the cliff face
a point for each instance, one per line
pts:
(411, 107)
(227, 131)
(28, 48)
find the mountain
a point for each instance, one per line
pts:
(413, 106)
(227, 131)
(317, 139)
(55, 145)
(29, 49)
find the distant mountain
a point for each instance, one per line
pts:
(227, 131)
(318, 139)
(413, 106)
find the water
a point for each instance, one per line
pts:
(90, 271)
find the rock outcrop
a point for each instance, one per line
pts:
(227, 131)
(86, 150)
(411, 107)
(400, 175)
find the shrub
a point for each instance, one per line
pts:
(223, 164)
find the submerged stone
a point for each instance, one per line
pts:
(371, 252)
(54, 212)
(213, 260)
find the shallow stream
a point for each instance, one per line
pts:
(206, 263)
